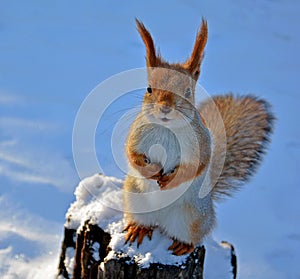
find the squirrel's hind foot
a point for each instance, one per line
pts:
(181, 248)
(135, 231)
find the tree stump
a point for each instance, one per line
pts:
(124, 267)
(89, 246)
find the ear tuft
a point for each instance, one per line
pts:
(194, 61)
(151, 58)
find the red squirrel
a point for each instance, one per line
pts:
(171, 144)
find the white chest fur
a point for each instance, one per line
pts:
(168, 146)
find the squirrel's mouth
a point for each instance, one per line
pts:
(164, 119)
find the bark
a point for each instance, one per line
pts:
(91, 248)
(123, 267)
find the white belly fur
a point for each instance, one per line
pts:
(167, 208)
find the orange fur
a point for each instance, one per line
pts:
(135, 231)
(193, 63)
(247, 122)
(138, 161)
(195, 230)
(180, 248)
(152, 59)
(181, 174)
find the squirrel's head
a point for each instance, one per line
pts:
(170, 93)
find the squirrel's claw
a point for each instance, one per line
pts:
(151, 170)
(180, 248)
(166, 178)
(135, 231)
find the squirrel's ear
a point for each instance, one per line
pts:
(194, 61)
(151, 58)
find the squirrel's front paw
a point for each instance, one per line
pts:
(152, 171)
(180, 248)
(165, 180)
(146, 168)
(137, 231)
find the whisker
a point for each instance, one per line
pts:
(136, 95)
(127, 110)
(186, 116)
(108, 123)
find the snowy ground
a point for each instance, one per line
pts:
(53, 53)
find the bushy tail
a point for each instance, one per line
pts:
(248, 124)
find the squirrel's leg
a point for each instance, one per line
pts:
(189, 226)
(181, 248)
(193, 232)
(134, 228)
(135, 231)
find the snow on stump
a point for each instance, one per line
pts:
(94, 245)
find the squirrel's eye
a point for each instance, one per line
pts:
(149, 89)
(188, 93)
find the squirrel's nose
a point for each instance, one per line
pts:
(165, 109)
